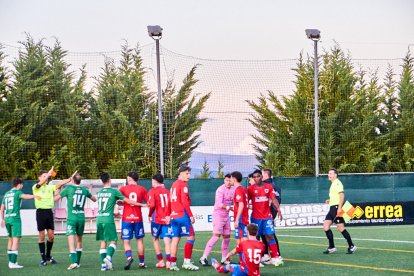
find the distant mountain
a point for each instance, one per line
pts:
(242, 163)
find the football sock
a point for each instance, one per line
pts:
(78, 255)
(277, 242)
(225, 247)
(209, 246)
(347, 236)
(111, 250)
(128, 254)
(141, 259)
(9, 255)
(273, 249)
(13, 256)
(168, 257)
(266, 244)
(188, 249)
(73, 258)
(102, 254)
(330, 237)
(159, 257)
(42, 249)
(49, 245)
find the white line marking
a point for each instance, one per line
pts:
(374, 240)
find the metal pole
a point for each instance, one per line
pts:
(160, 121)
(316, 96)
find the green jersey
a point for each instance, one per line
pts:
(12, 201)
(107, 198)
(76, 196)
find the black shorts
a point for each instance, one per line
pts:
(333, 211)
(44, 219)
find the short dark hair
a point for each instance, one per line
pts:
(268, 171)
(134, 175)
(105, 177)
(227, 175)
(42, 172)
(184, 168)
(17, 181)
(237, 175)
(77, 179)
(250, 175)
(257, 171)
(334, 169)
(252, 228)
(158, 177)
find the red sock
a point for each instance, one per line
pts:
(220, 269)
(173, 259)
(188, 249)
(274, 252)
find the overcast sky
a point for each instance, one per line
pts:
(216, 29)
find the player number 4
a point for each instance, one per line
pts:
(174, 195)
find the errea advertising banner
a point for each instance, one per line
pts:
(366, 213)
(380, 213)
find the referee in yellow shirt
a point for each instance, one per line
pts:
(336, 200)
(44, 214)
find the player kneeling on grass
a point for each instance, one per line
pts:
(105, 223)
(250, 253)
(10, 214)
(159, 216)
(75, 225)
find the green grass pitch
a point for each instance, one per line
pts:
(382, 250)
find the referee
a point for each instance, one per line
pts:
(44, 213)
(336, 200)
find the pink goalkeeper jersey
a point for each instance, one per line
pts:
(224, 197)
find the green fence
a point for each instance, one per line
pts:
(358, 188)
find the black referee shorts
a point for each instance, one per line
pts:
(333, 211)
(44, 219)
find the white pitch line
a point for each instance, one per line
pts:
(357, 239)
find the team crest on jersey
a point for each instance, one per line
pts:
(125, 231)
(255, 191)
(238, 197)
(185, 190)
(266, 191)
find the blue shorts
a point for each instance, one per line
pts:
(161, 230)
(129, 228)
(237, 271)
(181, 227)
(240, 232)
(265, 226)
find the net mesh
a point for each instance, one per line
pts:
(227, 134)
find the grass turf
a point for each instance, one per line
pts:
(382, 250)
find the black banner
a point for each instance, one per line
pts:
(382, 213)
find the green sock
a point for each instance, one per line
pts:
(111, 250)
(72, 257)
(13, 256)
(102, 254)
(78, 255)
(9, 255)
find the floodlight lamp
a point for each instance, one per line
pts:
(155, 31)
(313, 34)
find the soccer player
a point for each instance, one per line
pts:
(221, 220)
(159, 216)
(241, 211)
(182, 219)
(250, 253)
(336, 200)
(260, 193)
(75, 224)
(105, 223)
(10, 214)
(132, 220)
(44, 214)
(267, 178)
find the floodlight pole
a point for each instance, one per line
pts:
(315, 35)
(160, 119)
(316, 96)
(157, 36)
